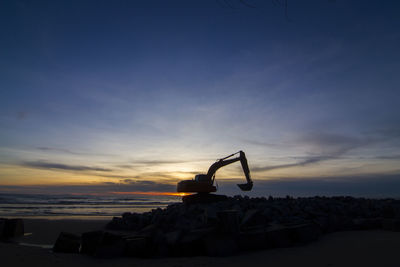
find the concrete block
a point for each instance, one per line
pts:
(391, 225)
(13, 228)
(228, 221)
(137, 247)
(221, 246)
(67, 243)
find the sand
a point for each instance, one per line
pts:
(355, 248)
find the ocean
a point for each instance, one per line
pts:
(78, 207)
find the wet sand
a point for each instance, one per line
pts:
(355, 248)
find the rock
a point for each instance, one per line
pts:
(2, 227)
(241, 223)
(67, 243)
(391, 225)
(171, 238)
(277, 236)
(111, 246)
(116, 224)
(91, 241)
(220, 246)
(203, 198)
(304, 233)
(192, 243)
(367, 223)
(228, 221)
(249, 216)
(252, 240)
(13, 228)
(137, 247)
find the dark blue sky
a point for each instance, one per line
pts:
(129, 92)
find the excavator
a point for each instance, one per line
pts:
(204, 183)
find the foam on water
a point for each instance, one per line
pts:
(74, 207)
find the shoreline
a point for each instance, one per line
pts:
(349, 248)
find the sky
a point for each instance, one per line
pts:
(133, 96)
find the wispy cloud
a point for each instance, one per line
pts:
(67, 151)
(102, 188)
(60, 166)
(321, 147)
(304, 162)
(136, 163)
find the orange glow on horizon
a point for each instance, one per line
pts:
(152, 193)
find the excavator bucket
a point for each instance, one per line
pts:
(246, 187)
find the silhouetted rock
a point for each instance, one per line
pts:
(111, 246)
(278, 236)
(2, 227)
(228, 221)
(304, 233)
(203, 198)
(208, 224)
(67, 243)
(11, 228)
(102, 244)
(91, 241)
(220, 245)
(253, 240)
(391, 225)
(137, 247)
(367, 223)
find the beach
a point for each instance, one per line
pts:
(349, 248)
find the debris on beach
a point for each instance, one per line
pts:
(232, 225)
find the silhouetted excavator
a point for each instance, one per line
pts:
(204, 183)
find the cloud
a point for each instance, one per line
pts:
(57, 150)
(322, 147)
(21, 115)
(60, 166)
(391, 157)
(102, 188)
(155, 162)
(307, 161)
(67, 151)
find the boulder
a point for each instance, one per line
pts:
(252, 240)
(13, 228)
(391, 225)
(2, 227)
(137, 247)
(203, 198)
(250, 218)
(367, 223)
(111, 246)
(91, 241)
(67, 243)
(228, 221)
(220, 246)
(277, 236)
(304, 233)
(191, 243)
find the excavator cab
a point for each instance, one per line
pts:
(201, 178)
(204, 183)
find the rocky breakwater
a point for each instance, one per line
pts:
(231, 225)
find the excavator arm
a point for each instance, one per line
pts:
(226, 161)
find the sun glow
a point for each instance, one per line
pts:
(151, 193)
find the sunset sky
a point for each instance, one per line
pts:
(134, 96)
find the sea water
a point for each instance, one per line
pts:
(78, 207)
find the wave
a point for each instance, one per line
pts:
(71, 206)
